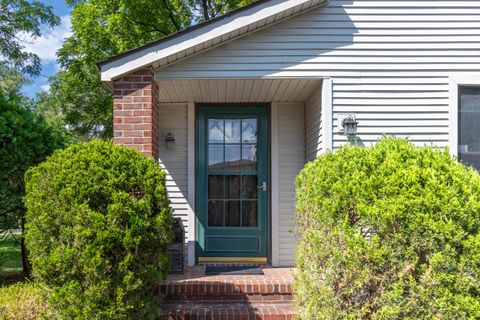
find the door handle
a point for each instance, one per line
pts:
(263, 186)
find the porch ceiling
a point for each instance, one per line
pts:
(237, 91)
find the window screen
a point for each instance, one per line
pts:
(469, 126)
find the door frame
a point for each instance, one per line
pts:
(268, 168)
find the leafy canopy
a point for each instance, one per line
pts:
(19, 18)
(101, 29)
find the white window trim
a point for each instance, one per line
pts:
(455, 82)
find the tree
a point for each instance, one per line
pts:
(102, 29)
(19, 18)
(25, 140)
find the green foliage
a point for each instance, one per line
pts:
(23, 300)
(25, 140)
(388, 232)
(98, 227)
(102, 29)
(26, 17)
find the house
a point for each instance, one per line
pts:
(233, 108)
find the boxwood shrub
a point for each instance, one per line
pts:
(388, 232)
(98, 227)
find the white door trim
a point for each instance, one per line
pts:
(192, 224)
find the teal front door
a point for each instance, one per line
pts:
(232, 183)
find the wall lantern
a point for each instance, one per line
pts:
(349, 124)
(169, 138)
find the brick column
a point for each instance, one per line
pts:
(135, 112)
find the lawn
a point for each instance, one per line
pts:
(10, 255)
(10, 260)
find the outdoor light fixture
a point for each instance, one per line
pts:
(170, 140)
(349, 124)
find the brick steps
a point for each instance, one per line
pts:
(228, 311)
(194, 296)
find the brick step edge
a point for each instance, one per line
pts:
(230, 297)
(228, 311)
(215, 288)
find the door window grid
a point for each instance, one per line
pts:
(227, 206)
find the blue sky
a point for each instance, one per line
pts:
(46, 46)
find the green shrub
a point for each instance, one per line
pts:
(23, 301)
(98, 227)
(388, 232)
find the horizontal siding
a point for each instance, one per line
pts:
(175, 161)
(291, 159)
(313, 125)
(389, 61)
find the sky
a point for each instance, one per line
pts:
(46, 47)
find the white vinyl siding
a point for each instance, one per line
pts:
(389, 61)
(291, 159)
(173, 117)
(313, 126)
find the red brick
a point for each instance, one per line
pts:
(122, 85)
(122, 140)
(133, 133)
(143, 72)
(140, 113)
(133, 79)
(141, 99)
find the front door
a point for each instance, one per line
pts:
(232, 183)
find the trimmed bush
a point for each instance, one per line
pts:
(23, 300)
(388, 232)
(98, 227)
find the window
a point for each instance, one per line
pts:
(469, 126)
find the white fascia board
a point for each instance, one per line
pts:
(141, 58)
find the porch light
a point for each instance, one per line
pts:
(170, 140)
(349, 125)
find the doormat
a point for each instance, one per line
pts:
(236, 270)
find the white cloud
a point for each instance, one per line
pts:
(47, 45)
(45, 87)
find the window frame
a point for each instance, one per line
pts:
(457, 81)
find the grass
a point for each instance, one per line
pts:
(19, 298)
(10, 255)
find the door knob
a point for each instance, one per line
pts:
(263, 186)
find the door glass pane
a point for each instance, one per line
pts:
(233, 187)
(215, 187)
(215, 130)
(249, 213)
(249, 157)
(232, 131)
(232, 214)
(215, 213)
(232, 157)
(249, 130)
(469, 126)
(249, 187)
(215, 157)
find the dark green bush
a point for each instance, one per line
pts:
(388, 232)
(98, 227)
(26, 139)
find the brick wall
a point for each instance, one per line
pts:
(135, 112)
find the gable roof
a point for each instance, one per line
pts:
(204, 36)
